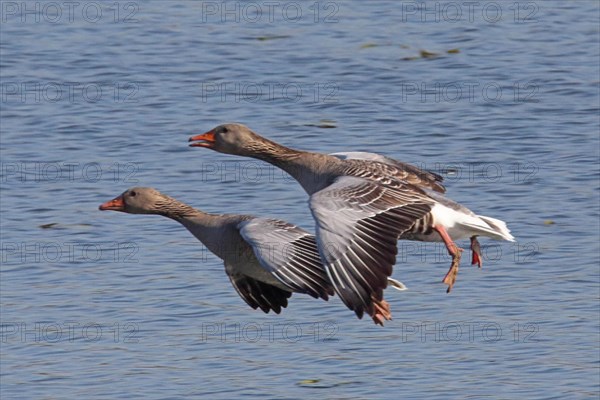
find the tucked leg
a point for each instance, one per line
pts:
(476, 249)
(381, 311)
(455, 252)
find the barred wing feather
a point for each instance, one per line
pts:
(289, 253)
(359, 222)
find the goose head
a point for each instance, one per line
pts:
(230, 138)
(137, 200)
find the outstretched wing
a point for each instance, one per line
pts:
(396, 169)
(288, 253)
(258, 294)
(358, 225)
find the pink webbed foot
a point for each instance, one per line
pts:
(455, 252)
(450, 277)
(381, 311)
(476, 249)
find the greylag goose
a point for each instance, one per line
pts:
(266, 259)
(363, 203)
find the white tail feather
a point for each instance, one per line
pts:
(461, 223)
(499, 227)
(396, 284)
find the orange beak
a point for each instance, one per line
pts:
(207, 140)
(116, 204)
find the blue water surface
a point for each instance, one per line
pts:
(502, 98)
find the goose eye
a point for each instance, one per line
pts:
(133, 193)
(225, 130)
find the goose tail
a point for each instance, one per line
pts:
(498, 227)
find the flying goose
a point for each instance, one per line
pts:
(266, 259)
(363, 204)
